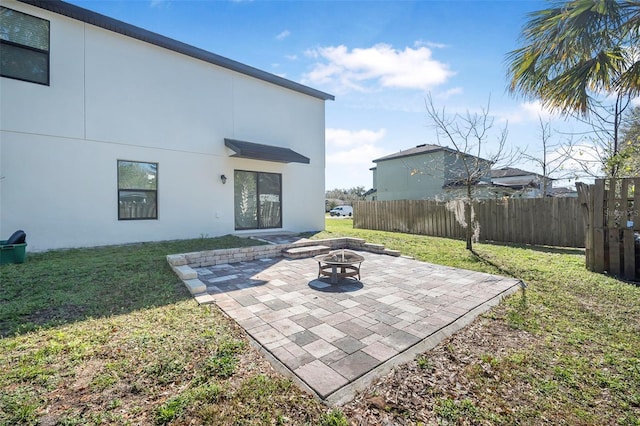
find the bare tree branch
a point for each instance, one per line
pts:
(552, 167)
(469, 135)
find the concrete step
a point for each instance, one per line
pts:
(305, 251)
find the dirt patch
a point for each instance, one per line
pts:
(412, 393)
(113, 386)
(58, 313)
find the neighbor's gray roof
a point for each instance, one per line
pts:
(562, 192)
(512, 172)
(420, 149)
(111, 24)
(519, 182)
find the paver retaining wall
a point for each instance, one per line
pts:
(183, 264)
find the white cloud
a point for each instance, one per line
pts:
(344, 137)
(381, 64)
(449, 93)
(291, 57)
(534, 110)
(579, 160)
(430, 44)
(528, 112)
(355, 157)
(283, 35)
(160, 3)
(349, 156)
(353, 146)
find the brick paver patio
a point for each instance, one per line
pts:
(335, 339)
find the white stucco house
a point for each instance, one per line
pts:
(112, 134)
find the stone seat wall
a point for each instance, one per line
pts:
(183, 264)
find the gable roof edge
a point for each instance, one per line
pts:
(111, 24)
(410, 152)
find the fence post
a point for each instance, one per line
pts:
(585, 196)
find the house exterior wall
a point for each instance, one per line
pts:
(426, 176)
(374, 172)
(416, 177)
(112, 97)
(455, 168)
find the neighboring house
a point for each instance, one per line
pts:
(425, 172)
(112, 134)
(517, 183)
(372, 194)
(563, 193)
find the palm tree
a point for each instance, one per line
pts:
(577, 53)
(577, 49)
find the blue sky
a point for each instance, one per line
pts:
(380, 59)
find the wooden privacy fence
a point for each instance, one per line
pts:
(135, 210)
(611, 218)
(542, 221)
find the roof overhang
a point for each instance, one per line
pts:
(93, 18)
(256, 151)
(518, 183)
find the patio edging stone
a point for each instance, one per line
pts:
(335, 344)
(182, 264)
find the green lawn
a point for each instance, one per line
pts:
(579, 360)
(110, 336)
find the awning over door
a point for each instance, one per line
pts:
(256, 151)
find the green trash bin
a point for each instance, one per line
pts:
(12, 253)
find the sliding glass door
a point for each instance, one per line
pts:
(258, 200)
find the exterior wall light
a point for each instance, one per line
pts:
(223, 178)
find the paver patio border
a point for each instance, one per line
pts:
(348, 392)
(183, 263)
(182, 267)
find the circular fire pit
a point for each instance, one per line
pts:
(339, 264)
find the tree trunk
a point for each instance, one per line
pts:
(467, 214)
